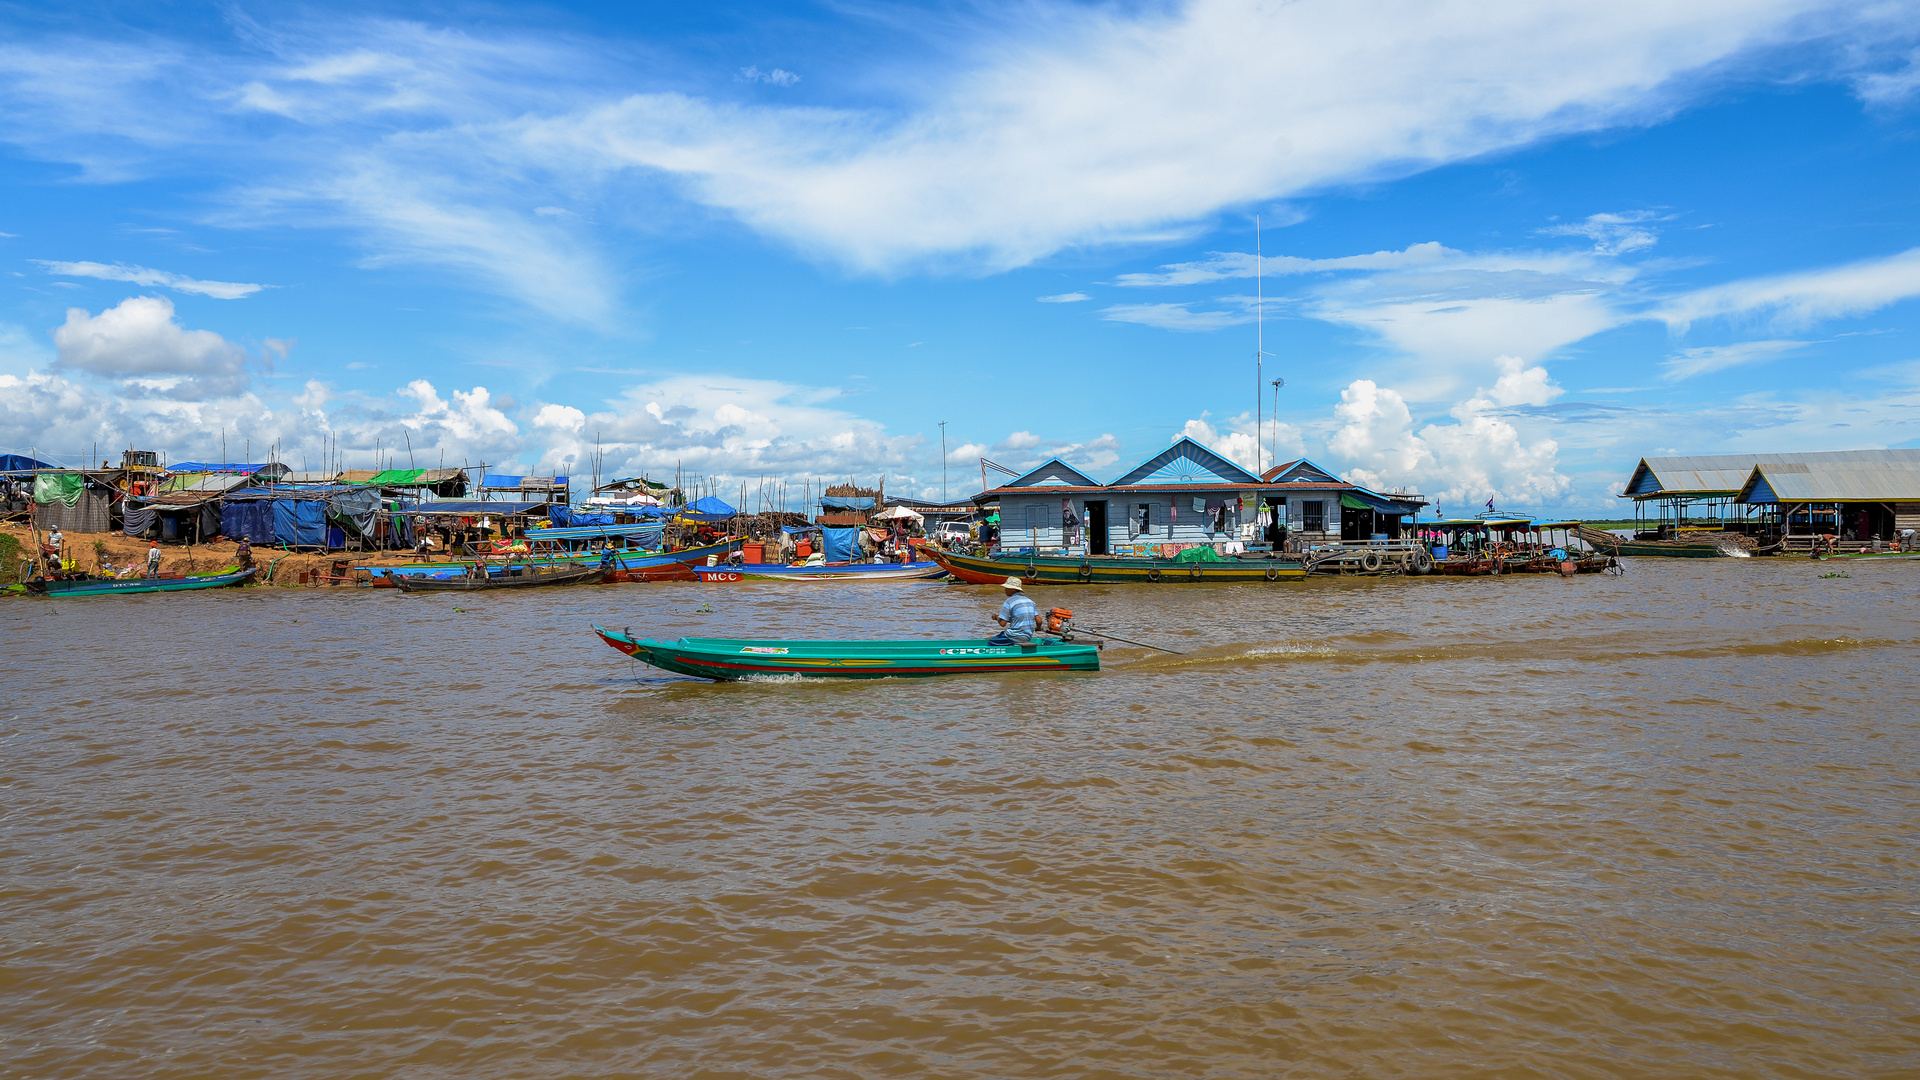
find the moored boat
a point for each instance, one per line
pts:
(116, 587)
(1110, 570)
(735, 659)
(512, 577)
(844, 572)
(629, 565)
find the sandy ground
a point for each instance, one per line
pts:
(121, 550)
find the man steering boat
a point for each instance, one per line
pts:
(1019, 616)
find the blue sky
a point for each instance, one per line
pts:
(1508, 248)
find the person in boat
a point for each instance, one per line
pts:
(1018, 616)
(607, 557)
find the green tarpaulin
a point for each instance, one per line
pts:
(62, 487)
(397, 476)
(1352, 503)
(1198, 554)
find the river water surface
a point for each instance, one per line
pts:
(1662, 824)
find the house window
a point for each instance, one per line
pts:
(1313, 516)
(1143, 518)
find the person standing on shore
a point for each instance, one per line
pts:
(153, 559)
(1017, 617)
(243, 554)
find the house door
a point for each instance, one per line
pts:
(1097, 527)
(1277, 527)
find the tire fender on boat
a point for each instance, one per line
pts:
(1153, 573)
(1195, 571)
(1086, 572)
(1273, 573)
(1420, 562)
(1370, 561)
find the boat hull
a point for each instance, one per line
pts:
(734, 660)
(914, 571)
(1656, 549)
(1111, 570)
(73, 589)
(536, 580)
(629, 566)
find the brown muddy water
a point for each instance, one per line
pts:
(1656, 825)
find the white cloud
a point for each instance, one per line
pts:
(560, 418)
(1222, 265)
(1612, 234)
(776, 77)
(1518, 384)
(1802, 298)
(469, 417)
(1065, 298)
(140, 340)
(1707, 359)
(1178, 317)
(1481, 455)
(141, 275)
(1124, 122)
(1891, 87)
(410, 213)
(1233, 439)
(1094, 124)
(1023, 450)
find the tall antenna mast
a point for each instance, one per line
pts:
(1259, 343)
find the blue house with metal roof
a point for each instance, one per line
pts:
(1188, 495)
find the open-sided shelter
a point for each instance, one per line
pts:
(1855, 495)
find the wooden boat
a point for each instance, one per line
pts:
(735, 659)
(629, 565)
(513, 577)
(116, 587)
(847, 572)
(1613, 544)
(1110, 570)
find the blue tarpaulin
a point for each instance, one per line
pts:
(21, 463)
(707, 509)
(846, 502)
(843, 545)
(565, 517)
(299, 523)
(251, 518)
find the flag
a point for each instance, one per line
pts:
(1489, 503)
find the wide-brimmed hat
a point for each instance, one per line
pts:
(1012, 583)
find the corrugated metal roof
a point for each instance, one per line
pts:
(1848, 476)
(1712, 474)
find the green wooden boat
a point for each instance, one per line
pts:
(1110, 569)
(113, 587)
(734, 659)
